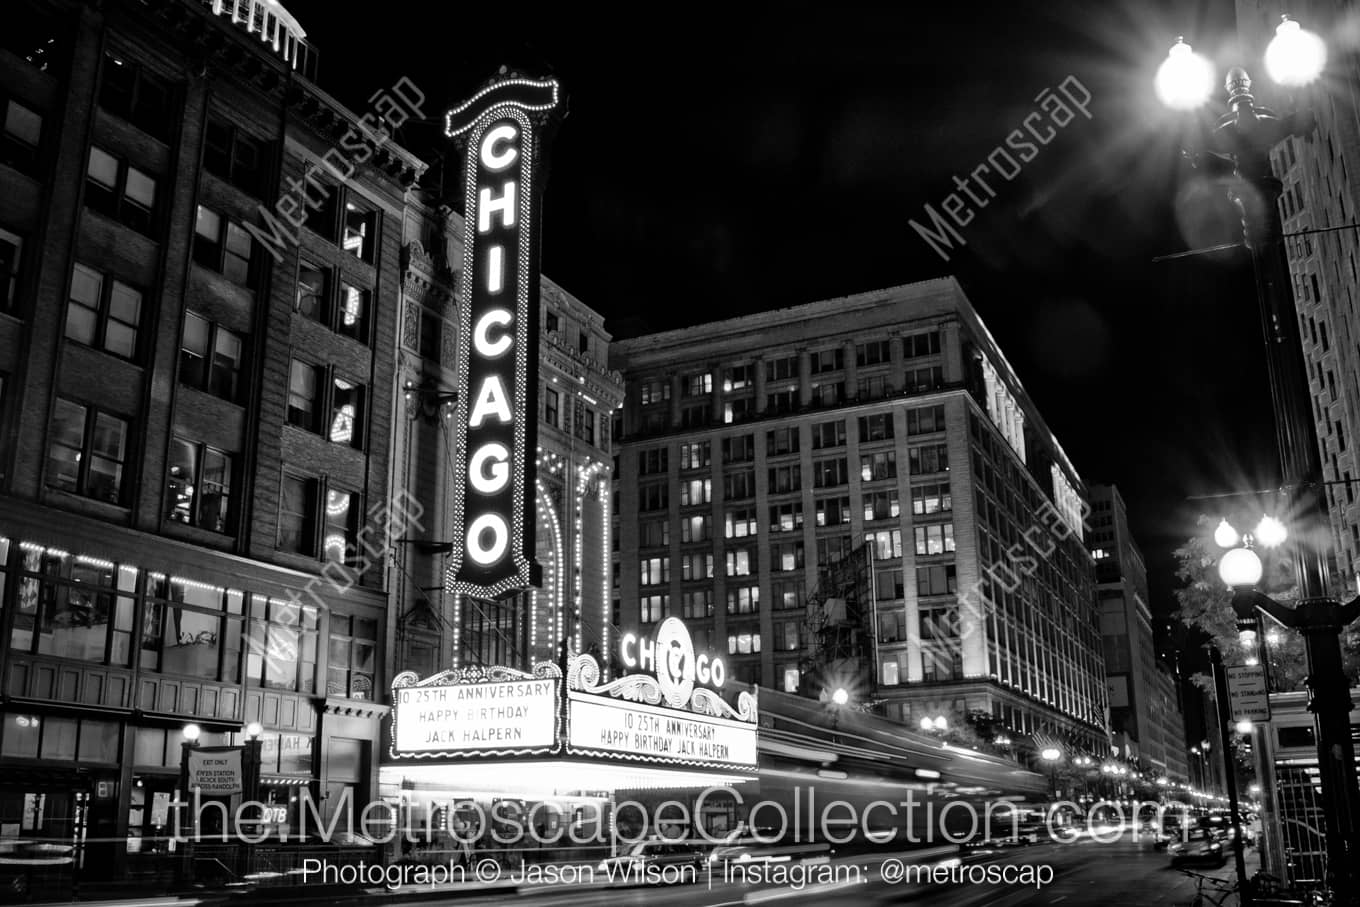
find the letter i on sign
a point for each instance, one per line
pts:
(501, 131)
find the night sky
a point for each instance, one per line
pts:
(725, 159)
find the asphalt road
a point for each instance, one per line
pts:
(1079, 873)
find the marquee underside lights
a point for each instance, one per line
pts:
(495, 430)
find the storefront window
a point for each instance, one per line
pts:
(74, 607)
(282, 644)
(192, 629)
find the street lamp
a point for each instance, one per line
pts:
(1243, 139)
(1051, 755)
(840, 697)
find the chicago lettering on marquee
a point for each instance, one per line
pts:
(495, 433)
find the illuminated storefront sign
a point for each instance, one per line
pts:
(663, 716)
(495, 430)
(476, 711)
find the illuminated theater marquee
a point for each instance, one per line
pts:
(667, 716)
(495, 430)
(476, 711)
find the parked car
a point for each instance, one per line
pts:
(1197, 847)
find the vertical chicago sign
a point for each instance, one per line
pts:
(502, 129)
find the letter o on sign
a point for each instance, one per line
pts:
(488, 524)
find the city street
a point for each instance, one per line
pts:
(1084, 872)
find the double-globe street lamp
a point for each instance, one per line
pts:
(1242, 139)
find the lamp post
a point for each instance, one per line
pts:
(189, 742)
(1051, 755)
(1243, 138)
(1230, 771)
(252, 757)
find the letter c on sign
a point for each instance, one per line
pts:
(489, 468)
(629, 640)
(481, 334)
(492, 159)
(486, 555)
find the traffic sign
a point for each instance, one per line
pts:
(1247, 693)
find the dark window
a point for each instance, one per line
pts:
(303, 393)
(139, 97)
(31, 37)
(234, 156)
(584, 344)
(103, 312)
(551, 408)
(116, 189)
(11, 258)
(921, 345)
(224, 246)
(313, 291)
(87, 451)
(198, 484)
(550, 321)
(322, 219)
(20, 135)
(429, 335)
(210, 358)
(297, 515)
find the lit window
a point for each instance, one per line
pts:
(87, 451)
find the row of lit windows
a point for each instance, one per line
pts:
(92, 610)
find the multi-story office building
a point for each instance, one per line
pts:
(577, 398)
(196, 405)
(1321, 199)
(1145, 720)
(755, 450)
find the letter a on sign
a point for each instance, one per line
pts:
(501, 131)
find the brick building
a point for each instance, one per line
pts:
(755, 451)
(196, 409)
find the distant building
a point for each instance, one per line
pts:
(756, 451)
(1145, 715)
(1321, 175)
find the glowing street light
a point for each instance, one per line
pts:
(1270, 532)
(840, 697)
(191, 733)
(1244, 727)
(1240, 568)
(1295, 56)
(1225, 536)
(1185, 80)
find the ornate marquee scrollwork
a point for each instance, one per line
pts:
(583, 674)
(477, 674)
(708, 702)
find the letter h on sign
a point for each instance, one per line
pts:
(495, 438)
